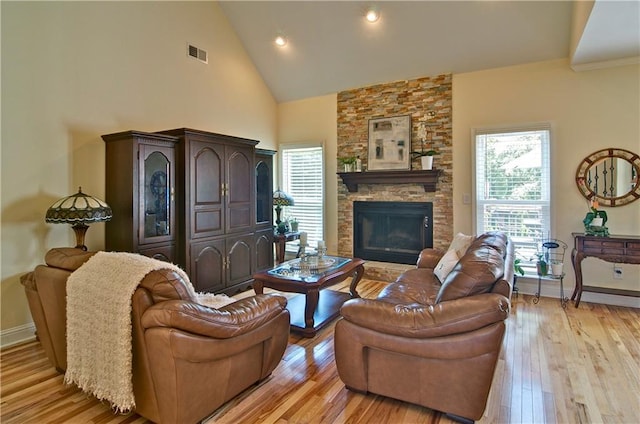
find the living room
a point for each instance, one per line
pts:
(75, 71)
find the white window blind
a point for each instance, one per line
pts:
(513, 186)
(302, 179)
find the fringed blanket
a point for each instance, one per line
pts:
(99, 349)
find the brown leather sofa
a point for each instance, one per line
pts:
(430, 343)
(188, 359)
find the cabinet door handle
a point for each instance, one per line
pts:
(173, 194)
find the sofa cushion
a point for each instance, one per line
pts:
(417, 286)
(475, 273)
(494, 239)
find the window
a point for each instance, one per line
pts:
(302, 179)
(513, 186)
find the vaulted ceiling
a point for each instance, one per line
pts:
(331, 47)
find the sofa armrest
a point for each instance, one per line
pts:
(429, 258)
(425, 321)
(67, 258)
(229, 321)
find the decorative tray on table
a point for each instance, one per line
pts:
(316, 263)
(313, 267)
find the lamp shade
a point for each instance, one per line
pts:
(79, 210)
(280, 198)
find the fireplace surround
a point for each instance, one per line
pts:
(392, 231)
(416, 97)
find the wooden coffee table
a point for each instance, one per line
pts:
(314, 307)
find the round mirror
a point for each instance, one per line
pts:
(610, 176)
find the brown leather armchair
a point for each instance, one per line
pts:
(431, 343)
(188, 359)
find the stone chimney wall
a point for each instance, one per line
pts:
(417, 98)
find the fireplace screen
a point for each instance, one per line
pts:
(392, 231)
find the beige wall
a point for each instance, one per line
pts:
(314, 120)
(588, 111)
(72, 71)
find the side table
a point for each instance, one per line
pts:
(280, 241)
(563, 300)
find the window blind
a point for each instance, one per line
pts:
(513, 185)
(302, 179)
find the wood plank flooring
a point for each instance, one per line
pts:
(557, 366)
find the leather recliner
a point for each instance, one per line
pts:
(188, 359)
(430, 343)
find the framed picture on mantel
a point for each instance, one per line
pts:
(389, 143)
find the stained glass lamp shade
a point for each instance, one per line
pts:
(78, 210)
(280, 199)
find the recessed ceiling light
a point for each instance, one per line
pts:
(372, 15)
(281, 40)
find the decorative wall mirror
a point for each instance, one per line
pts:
(610, 176)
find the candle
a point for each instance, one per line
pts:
(321, 244)
(303, 239)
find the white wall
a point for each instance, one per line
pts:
(72, 71)
(589, 111)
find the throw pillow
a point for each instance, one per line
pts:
(445, 265)
(461, 243)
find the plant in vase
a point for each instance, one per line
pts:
(595, 220)
(293, 223)
(348, 163)
(541, 265)
(281, 228)
(426, 156)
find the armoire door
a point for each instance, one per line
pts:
(207, 265)
(239, 189)
(206, 190)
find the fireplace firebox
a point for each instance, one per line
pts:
(392, 231)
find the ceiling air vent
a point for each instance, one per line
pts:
(196, 53)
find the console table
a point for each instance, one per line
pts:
(613, 248)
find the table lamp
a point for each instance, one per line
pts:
(280, 199)
(78, 210)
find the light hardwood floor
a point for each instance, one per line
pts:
(557, 366)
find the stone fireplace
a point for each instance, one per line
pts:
(392, 231)
(416, 98)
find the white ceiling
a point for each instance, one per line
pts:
(332, 48)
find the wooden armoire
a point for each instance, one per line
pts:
(195, 198)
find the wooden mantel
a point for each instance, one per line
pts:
(428, 179)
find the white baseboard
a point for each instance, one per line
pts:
(15, 335)
(551, 288)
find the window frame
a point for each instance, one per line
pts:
(312, 241)
(546, 203)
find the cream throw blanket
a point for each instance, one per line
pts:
(99, 348)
